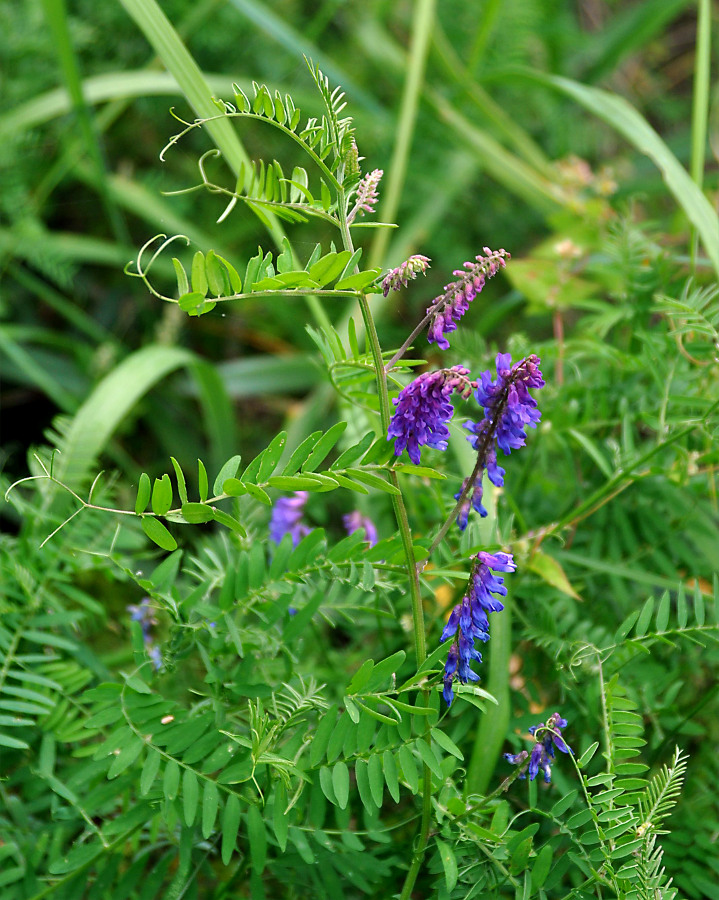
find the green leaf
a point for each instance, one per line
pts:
(14, 743)
(162, 495)
(390, 775)
(183, 285)
(319, 742)
(171, 780)
(329, 267)
(197, 513)
(372, 480)
(376, 778)
(294, 483)
(644, 619)
(301, 453)
(587, 755)
(663, 612)
(271, 456)
(233, 487)
(203, 484)
(258, 839)
(429, 759)
(449, 863)
(190, 795)
(358, 281)
(216, 278)
(157, 533)
(198, 276)
(352, 454)
(210, 803)
(446, 743)
(180, 477)
(280, 818)
(230, 827)
(323, 447)
(361, 677)
(549, 570)
(149, 770)
(143, 493)
(541, 867)
(408, 764)
(561, 806)
(229, 522)
(341, 783)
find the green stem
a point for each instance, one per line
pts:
(700, 107)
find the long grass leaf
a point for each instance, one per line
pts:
(624, 118)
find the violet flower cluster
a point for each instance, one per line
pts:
(469, 619)
(355, 520)
(447, 309)
(144, 614)
(508, 409)
(287, 518)
(424, 408)
(547, 737)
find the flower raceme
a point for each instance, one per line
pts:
(453, 302)
(404, 273)
(469, 619)
(508, 406)
(508, 409)
(423, 410)
(547, 737)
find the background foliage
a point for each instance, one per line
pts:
(491, 128)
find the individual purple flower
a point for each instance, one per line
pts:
(469, 621)
(404, 273)
(144, 614)
(367, 195)
(355, 520)
(472, 500)
(508, 406)
(287, 518)
(423, 410)
(546, 738)
(453, 302)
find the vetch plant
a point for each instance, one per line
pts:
(238, 738)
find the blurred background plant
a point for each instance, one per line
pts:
(490, 125)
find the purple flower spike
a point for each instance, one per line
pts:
(423, 410)
(453, 303)
(287, 518)
(508, 406)
(355, 520)
(468, 621)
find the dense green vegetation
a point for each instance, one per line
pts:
(187, 708)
